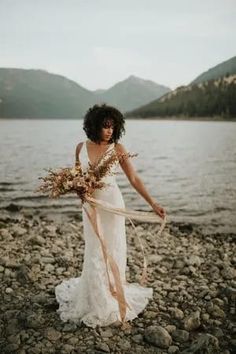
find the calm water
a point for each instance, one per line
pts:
(188, 166)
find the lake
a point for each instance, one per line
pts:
(188, 166)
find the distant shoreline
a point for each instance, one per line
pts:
(186, 118)
(197, 119)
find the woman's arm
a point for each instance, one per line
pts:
(77, 151)
(137, 182)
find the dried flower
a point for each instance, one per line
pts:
(77, 180)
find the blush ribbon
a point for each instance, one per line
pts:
(93, 216)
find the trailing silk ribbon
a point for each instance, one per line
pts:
(95, 222)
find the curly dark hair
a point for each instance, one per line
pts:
(96, 118)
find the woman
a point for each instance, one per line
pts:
(89, 298)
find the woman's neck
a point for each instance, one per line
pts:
(102, 142)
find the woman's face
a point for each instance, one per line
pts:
(107, 130)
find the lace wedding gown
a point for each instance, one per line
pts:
(87, 298)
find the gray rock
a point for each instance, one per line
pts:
(41, 298)
(233, 343)
(59, 270)
(47, 260)
(52, 334)
(179, 264)
(205, 317)
(11, 348)
(216, 312)
(106, 333)
(73, 341)
(36, 240)
(150, 314)
(154, 258)
(217, 332)
(52, 229)
(22, 274)
(7, 273)
(173, 349)
(158, 336)
(18, 230)
(14, 339)
(204, 344)
(170, 328)
(9, 290)
(70, 327)
(180, 335)
(34, 321)
(194, 260)
(63, 261)
(103, 347)
(6, 234)
(229, 292)
(12, 326)
(192, 321)
(12, 264)
(67, 348)
(228, 273)
(49, 268)
(137, 338)
(218, 301)
(176, 313)
(124, 345)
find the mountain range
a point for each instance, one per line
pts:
(132, 92)
(34, 93)
(29, 93)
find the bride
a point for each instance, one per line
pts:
(88, 298)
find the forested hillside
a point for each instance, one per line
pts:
(207, 99)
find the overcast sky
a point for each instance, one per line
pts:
(100, 42)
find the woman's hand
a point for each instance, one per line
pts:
(159, 210)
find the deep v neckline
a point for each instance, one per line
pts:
(100, 158)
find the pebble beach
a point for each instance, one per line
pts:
(193, 277)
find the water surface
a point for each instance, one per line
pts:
(188, 166)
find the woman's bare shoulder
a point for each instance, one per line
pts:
(120, 148)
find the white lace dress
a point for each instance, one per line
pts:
(87, 298)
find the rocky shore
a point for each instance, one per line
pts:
(193, 276)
